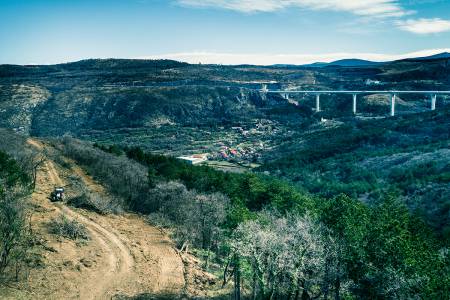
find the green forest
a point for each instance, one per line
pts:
(369, 159)
(273, 239)
(337, 207)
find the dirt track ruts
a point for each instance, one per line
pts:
(120, 261)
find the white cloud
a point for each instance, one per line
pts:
(296, 59)
(425, 26)
(378, 8)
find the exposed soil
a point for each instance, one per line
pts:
(124, 255)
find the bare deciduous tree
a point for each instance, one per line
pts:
(12, 226)
(286, 256)
(196, 217)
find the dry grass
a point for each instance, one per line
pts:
(71, 229)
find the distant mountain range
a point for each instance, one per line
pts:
(354, 62)
(350, 62)
(431, 57)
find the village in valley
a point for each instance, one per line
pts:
(239, 149)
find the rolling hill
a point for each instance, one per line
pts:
(351, 62)
(365, 195)
(176, 108)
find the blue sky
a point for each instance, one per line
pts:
(221, 31)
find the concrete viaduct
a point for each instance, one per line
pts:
(393, 95)
(285, 94)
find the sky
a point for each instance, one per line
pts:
(222, 31)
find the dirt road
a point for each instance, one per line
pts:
(124, 256)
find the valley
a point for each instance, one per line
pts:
(187, 109)
(290, 203)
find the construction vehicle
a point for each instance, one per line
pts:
(57, 194)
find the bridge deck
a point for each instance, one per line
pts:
(393, 95)
(353, 92)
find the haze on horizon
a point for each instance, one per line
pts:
(222, 31)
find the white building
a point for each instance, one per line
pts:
(372, 82)
(195, 158)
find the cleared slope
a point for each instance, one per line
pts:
(124, 256)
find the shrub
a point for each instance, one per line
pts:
(195, 218)
(12, 228)
(14, 183)
(124, 178)
(159, 220)
(96, 203)
(71, 229)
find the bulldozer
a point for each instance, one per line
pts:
(57, 194)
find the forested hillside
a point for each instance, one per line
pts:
(272, 239)
(100, 98)
(319, 205)
(406, 156)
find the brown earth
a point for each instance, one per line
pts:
(124, 255)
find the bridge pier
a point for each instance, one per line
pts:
(433, 101)
(317, 102)
(393, 98)
(284, 96)
(389, 93)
